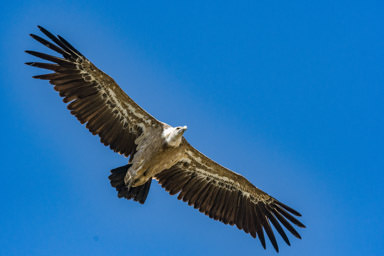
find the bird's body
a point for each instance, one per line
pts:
(158, 150)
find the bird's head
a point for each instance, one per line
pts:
(180, 129)
(173, 135)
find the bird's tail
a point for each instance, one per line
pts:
(138, 193)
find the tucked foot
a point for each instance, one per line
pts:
(129, 178)
(138, 193)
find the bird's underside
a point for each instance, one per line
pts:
(157, 150)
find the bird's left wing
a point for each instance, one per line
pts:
(229, 197)
(93, 97)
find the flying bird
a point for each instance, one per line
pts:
(157, 150)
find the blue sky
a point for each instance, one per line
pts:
(288, 94)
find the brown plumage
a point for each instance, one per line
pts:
(157, 150)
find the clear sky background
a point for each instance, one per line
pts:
(290, 95)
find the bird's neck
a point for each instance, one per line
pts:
(171, 137)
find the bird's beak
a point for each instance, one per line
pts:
(185, 127)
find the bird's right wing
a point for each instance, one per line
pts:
(93, 97)
(228, 197)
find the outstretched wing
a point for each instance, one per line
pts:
(229, 197)
(93, 97)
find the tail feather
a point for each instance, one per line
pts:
(138, 193)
